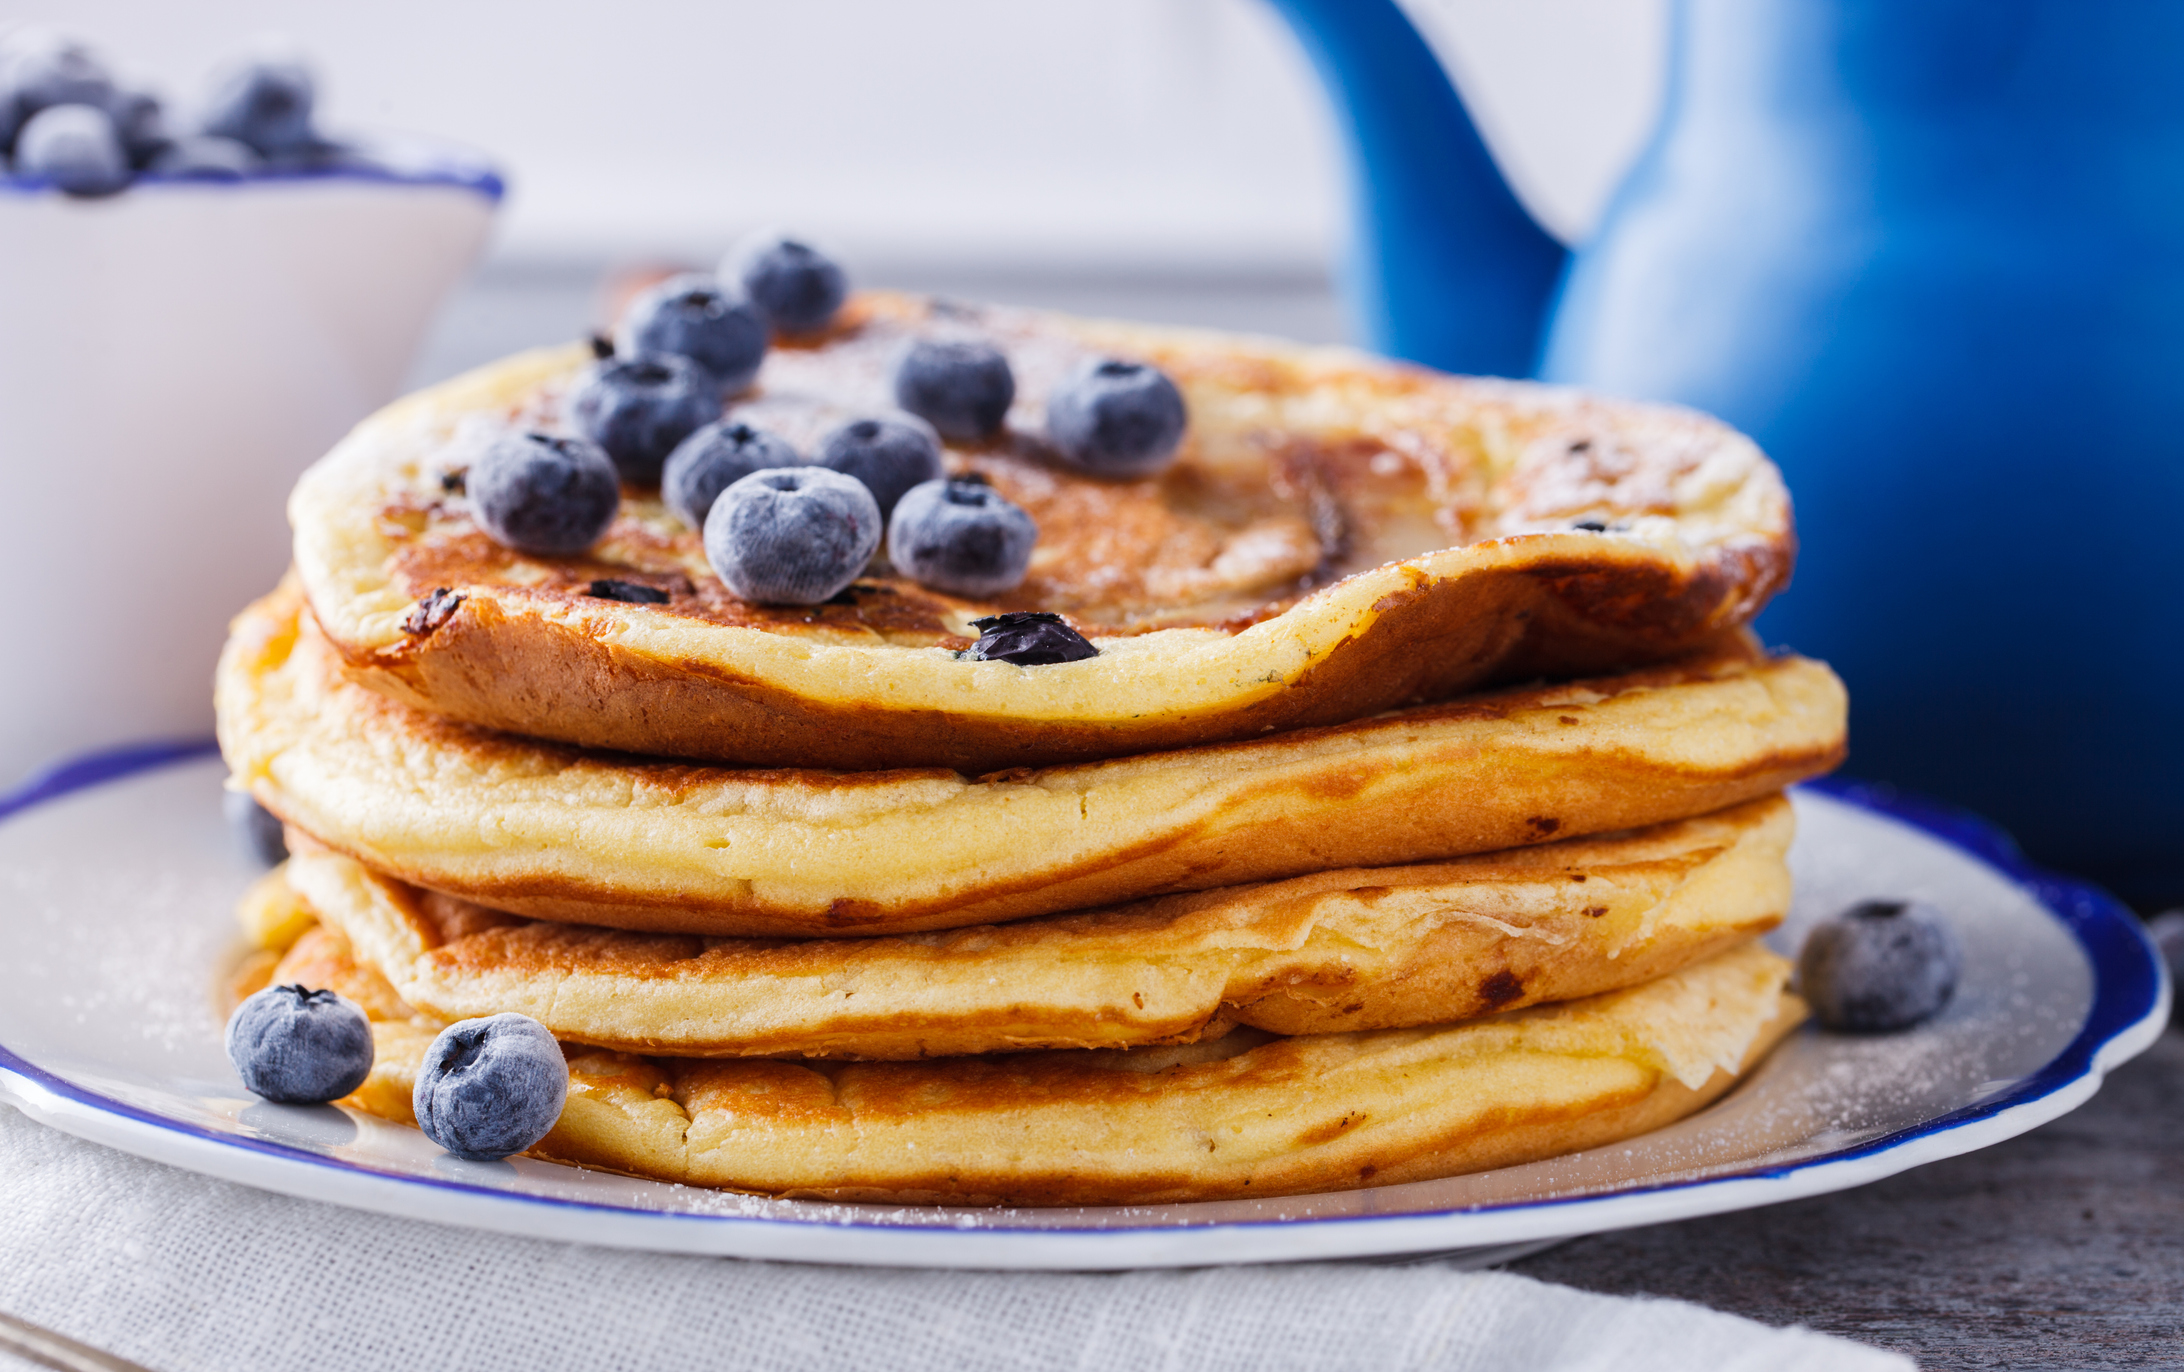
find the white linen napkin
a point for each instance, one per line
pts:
(184, 1273)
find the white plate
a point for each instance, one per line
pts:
(117, 879)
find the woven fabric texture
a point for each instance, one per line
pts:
(183, 1273)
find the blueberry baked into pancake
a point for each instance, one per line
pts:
(876, 749)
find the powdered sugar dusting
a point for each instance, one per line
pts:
(116, 906)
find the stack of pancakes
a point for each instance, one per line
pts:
(1418, 814)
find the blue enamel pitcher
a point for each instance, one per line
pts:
(1930, 254)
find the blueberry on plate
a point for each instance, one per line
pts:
(692, 316)
(74, 147)
(300, 1047)
(792, 536)
(1029, 638)
(962, 388)
(1116, 418)
(638, 408)
(257, 830)
(490, 1087)
(715, 458)
(797, 286)
(962, 536)
(888, 455)
(539, 494)
(203, 157)
(265, 101)
(1878, 966)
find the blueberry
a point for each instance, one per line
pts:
(263, 101)
(715, 458)
(692, 316)
(798, 287)
(550, 496)
(141, 124)
(324, 155)
(963, 389)
(490, 1087)
(639, 408)
(39, 69)
(961, 536)
(74, 147)
(1029, 638)
(1116, 418)
(433, 609)
(793, 535)
(888, 455)
(1880, 965)
(257, 830)
(202, 157)
(300, 1047)
(628, 592)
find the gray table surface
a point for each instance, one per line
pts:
(2060, 1249)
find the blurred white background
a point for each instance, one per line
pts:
(1167, 158)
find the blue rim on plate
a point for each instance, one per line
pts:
(2128, 1011)
(2130, 978)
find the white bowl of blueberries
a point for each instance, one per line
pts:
(69, 123)
(196, 299)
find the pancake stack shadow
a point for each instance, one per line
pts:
(1394, 944)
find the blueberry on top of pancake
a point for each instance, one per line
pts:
(1333, 537)
(638, 408)
(799, 287)
(1116, 417)
(888, 455)
(714, 458)
(542, 494)
(961, 536)
(692, 316)
(791, 535)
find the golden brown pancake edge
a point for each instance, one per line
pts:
(1365, 948)
(1246, 1115)
(554, 832)
(1708, 540)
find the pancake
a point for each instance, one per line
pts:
(1338, 536)
(559, 833)
(1244, 1115)
(1367, 948)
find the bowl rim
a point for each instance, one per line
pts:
(402, 160)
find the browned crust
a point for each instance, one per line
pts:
(500, 662)
(1371, 948)
(1419, 824)
(1507, 1139)
(524, 650)
(556, 833)
(1245, 1116)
